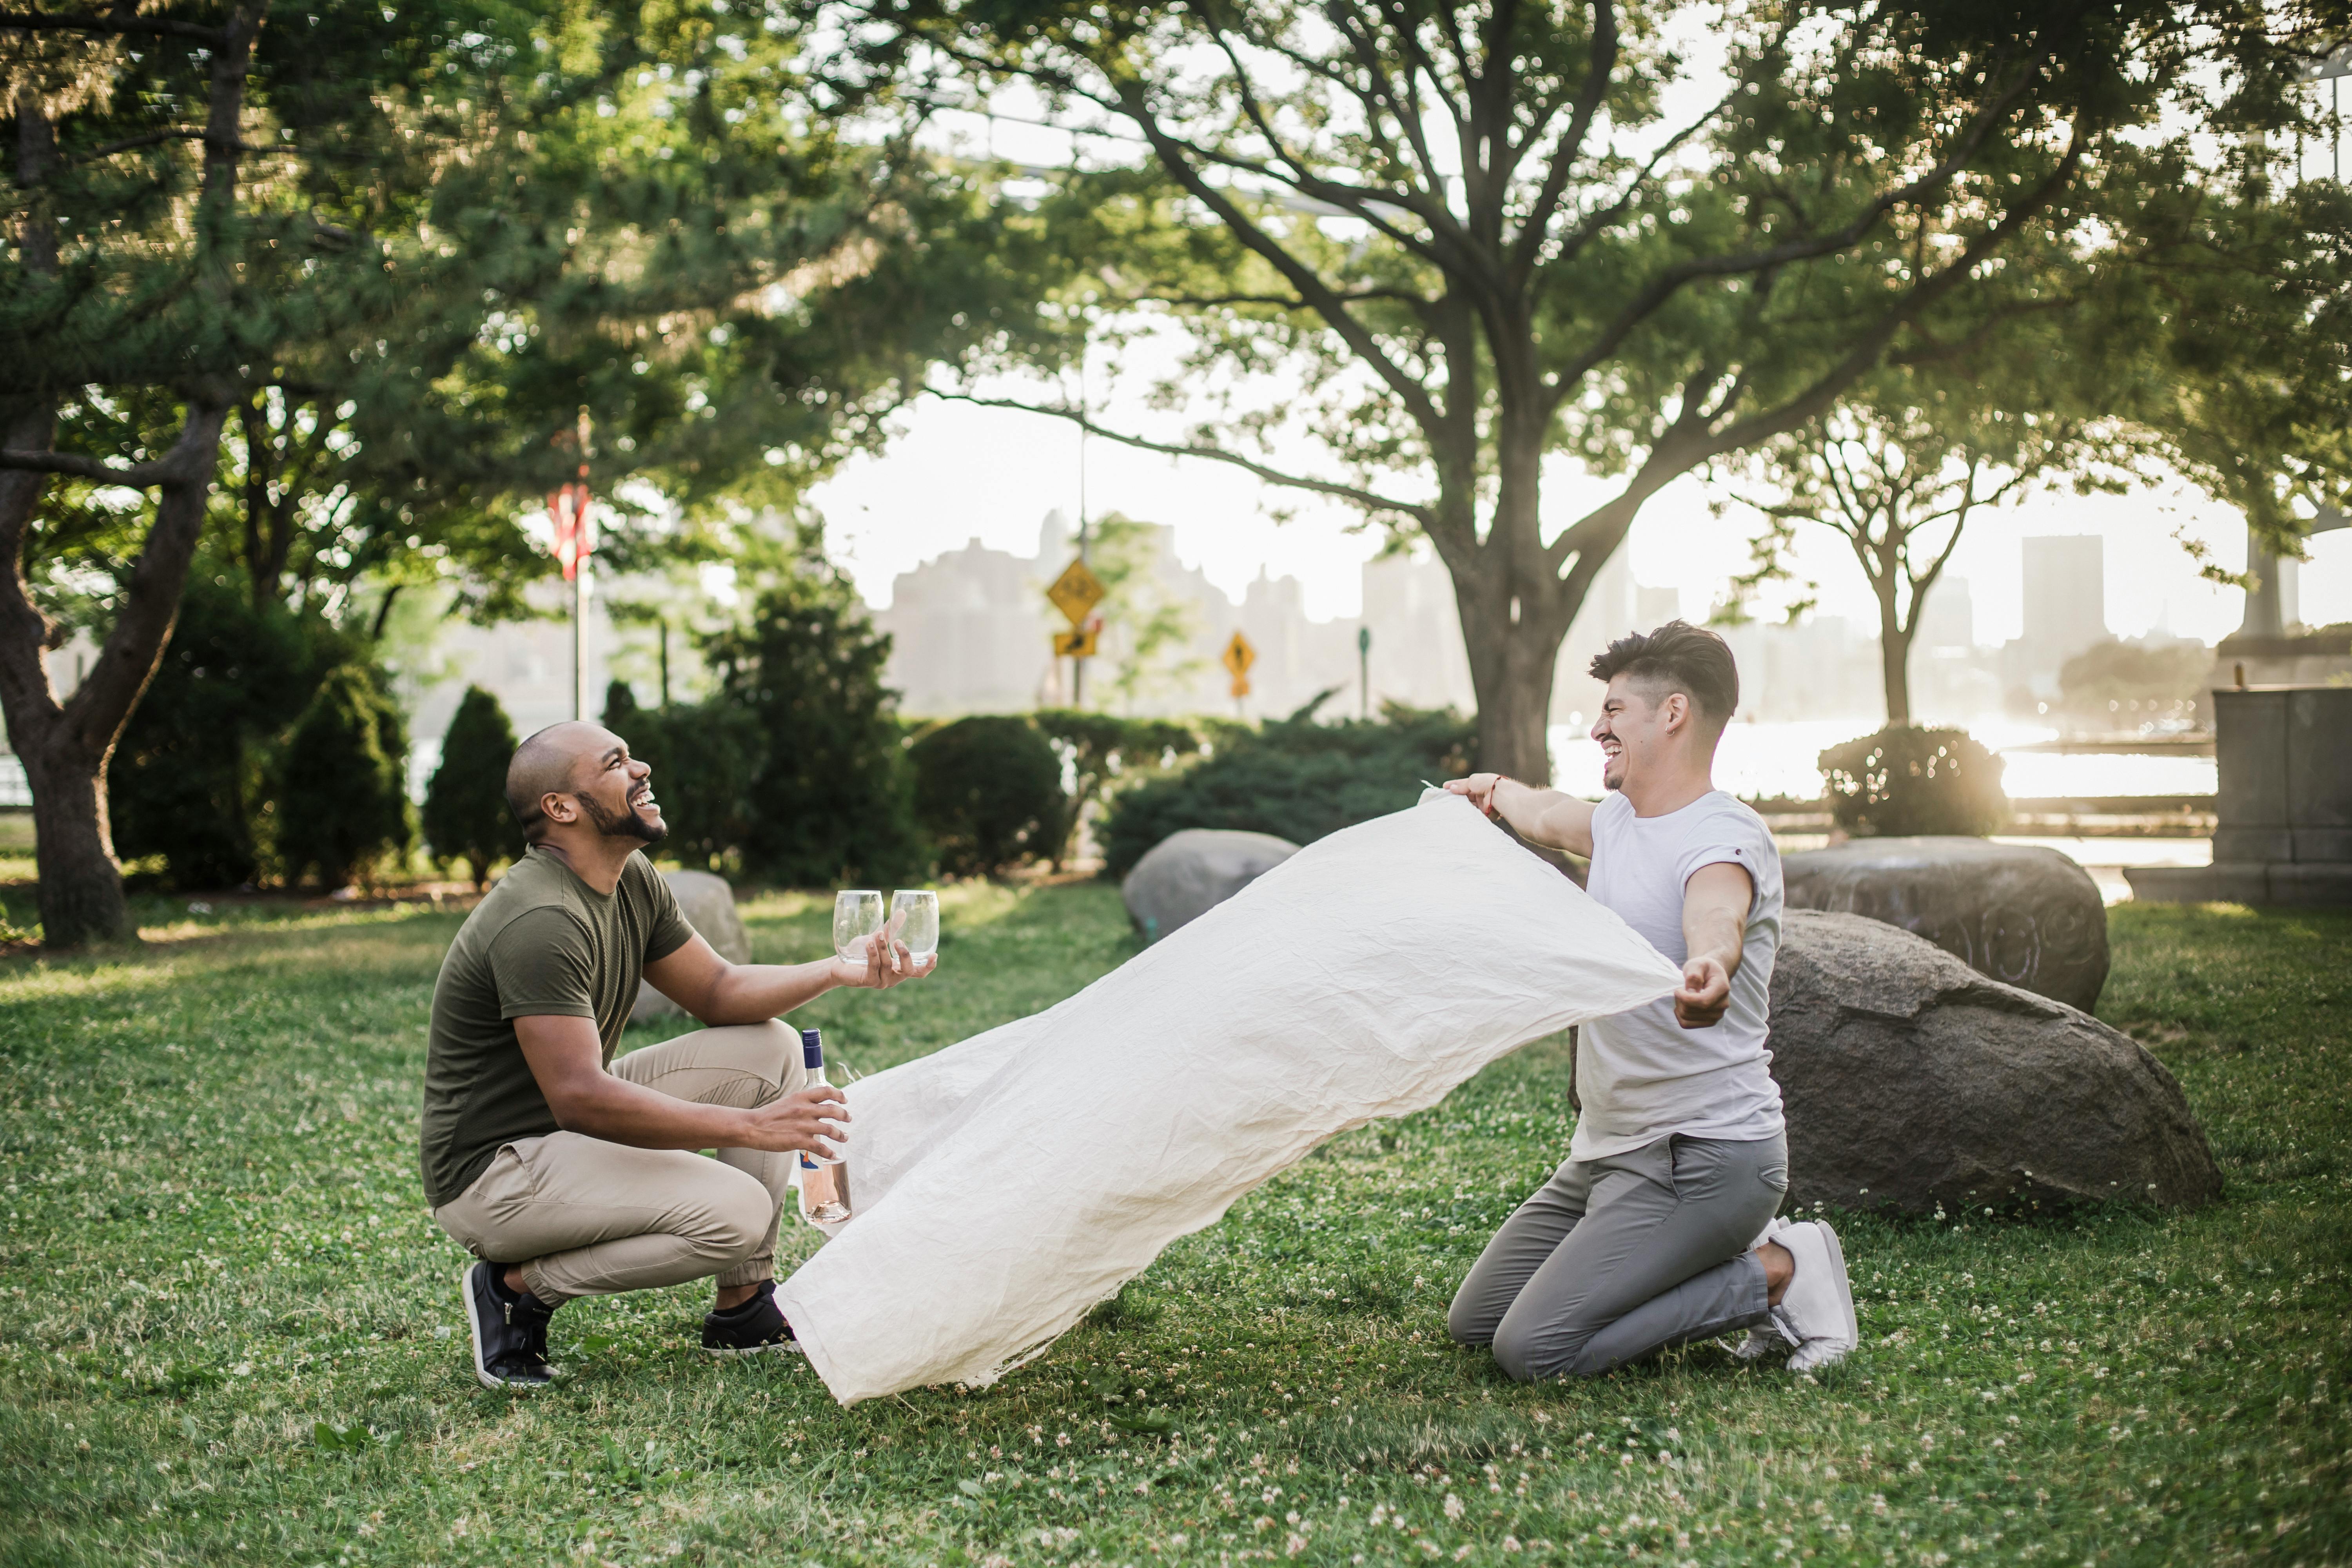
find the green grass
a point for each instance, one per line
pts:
(225, 1314)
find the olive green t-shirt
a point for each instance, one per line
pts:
(542, 941)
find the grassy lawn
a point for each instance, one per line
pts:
(229, 1320)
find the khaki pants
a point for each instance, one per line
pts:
(585, 1217)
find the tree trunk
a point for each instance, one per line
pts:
(1894, 658)
(65, 747)
(80, 892)
(1511, 668)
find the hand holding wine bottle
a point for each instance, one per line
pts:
(810, 1121)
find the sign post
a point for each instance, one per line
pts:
(1076, 593)
(1364, 666)
(1238, 657)
(575, 541)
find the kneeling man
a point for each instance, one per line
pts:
(1659, 1228)
(568, 1174)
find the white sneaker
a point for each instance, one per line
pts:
(1764, 1339)
(1816, 1312)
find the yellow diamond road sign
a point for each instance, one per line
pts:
(1239, 655)
(1075, 592)
(1075, 645)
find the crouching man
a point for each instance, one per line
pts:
(568, 1174)
(1659, 1228)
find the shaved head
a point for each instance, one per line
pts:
(546, 765)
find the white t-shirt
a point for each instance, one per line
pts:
(1639, 1075)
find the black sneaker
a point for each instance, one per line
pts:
(509, 1328)
(752, 1328)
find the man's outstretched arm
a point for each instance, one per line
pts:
(1545, 816)
(717, 991)
(1715, 928)
(568, 1059)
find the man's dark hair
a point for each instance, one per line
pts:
(1679, 655)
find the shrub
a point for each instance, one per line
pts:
(703, 756)
(988, 791)
(1908, 780)
(342, 808)
(829, 798)
(1294, 778)
(466, 815)
(188, 779)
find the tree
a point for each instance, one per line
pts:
(395, 250)
(1149, 629)
(466, 815)
(1449, 241)
(1101, 750)
(1896, 471)
(830, 796)
(341, 803)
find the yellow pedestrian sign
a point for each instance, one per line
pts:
(1078, 644)
(1239, 657)
(1076, 593)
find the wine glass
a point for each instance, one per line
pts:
(856, 915)
(915, 918)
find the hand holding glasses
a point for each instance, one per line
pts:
(908, 944)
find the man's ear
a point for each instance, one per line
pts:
(558, 807)
(1674, 708)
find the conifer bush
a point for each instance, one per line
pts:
(1294, 778)
(188, 779)
(703, 756)
(988, 791)
(829, 798)
(1910, 779)
(341, 809)
(466, 815)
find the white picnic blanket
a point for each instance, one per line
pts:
(1004, 1186)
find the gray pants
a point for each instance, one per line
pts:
(1615, 1257)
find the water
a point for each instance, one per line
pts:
(1760, 760)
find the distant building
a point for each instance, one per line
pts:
(2065, 612)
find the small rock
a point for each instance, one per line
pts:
(1188, 874)
(708, 905)
(2025, 916)
(1910, 1081)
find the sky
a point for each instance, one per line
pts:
(958, 473)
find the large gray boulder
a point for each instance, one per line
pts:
(708, 905)
(1911, 1082)
(2026, 917)
(1187, 874)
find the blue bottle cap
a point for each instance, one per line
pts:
(811, 1049)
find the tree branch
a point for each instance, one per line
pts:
(1365, 499)
(117, 23)
(1570, 146)
(1311, 288)
(163, 470)
(1667, 284)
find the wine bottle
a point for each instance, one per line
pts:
(824, 1182)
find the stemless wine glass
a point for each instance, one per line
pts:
(856, 915)
(915, 916)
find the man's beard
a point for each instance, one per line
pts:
(630, 824)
